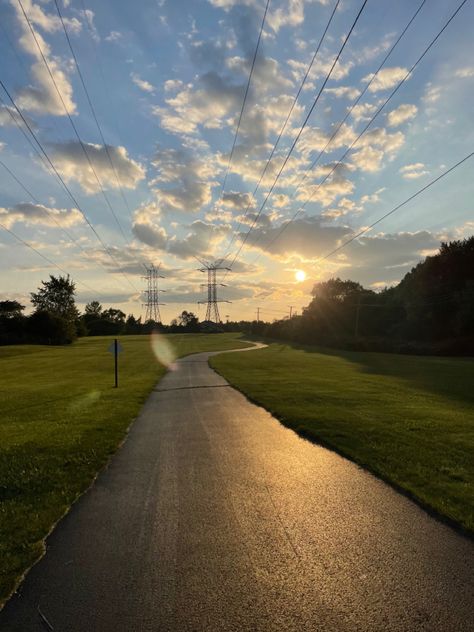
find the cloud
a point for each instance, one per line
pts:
(141, 83)
(464, 73)
(400, 115)
(376, 144)
(386, 78)
(114, 36)
(48, 22)
(307, 237)
(201, 240)
(343, 91)
(42, 97)
(289, 13)
(236, 200)
(146, 226)
(72, 164)
(336, 185)
(37, 214)
(184, 180)
(172, 84)
(206, 105)
(414, 171)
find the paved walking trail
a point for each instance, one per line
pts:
(214, 517)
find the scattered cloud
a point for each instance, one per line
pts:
(386, 78)
(144, 85)
(37, 214)
(403, 113)
(73, 165)
(184, 180)
(464, 73)
(414, 171)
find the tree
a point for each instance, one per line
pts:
(188, 321)
(114, 315)
(93, 309)
(56, 296)
(10, 309)
(48, 328)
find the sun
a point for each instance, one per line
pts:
(300, 275)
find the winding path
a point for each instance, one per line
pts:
(214, 517)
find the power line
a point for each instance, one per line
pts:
(282, 130)
(243, 103)
(106, 147)
(73, 125)
(336, 59)
(396, 208)
(60, 178)
(367, 86)
(379, 110)
(47, 259)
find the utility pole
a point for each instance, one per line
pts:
(212, 310)
(152, 294)
(292, 307)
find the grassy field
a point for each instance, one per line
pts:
(408, 419)
(60, 420)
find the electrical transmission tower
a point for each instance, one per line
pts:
(212, 311)
(152, 294)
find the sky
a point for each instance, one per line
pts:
(142, 170)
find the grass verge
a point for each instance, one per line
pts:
(60, 420)
(408, 419)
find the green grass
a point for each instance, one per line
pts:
(60, 420)
(410, 420)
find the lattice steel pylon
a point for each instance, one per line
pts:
(212, 310)
(152, 294)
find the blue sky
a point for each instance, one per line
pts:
(166, 79)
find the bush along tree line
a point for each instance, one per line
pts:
(430, 311)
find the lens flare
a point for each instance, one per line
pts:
(163, 351)
(300, 275)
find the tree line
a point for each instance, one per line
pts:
(56, 319)
(431, 310)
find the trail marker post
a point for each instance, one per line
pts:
(115, 348)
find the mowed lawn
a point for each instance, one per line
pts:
(60, 420)
(409, 419)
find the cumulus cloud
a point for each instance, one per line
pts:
(208, 104)
(285, 13)
(73, 165)
(414, 171)
(400, 115)
(237, 200)
(336, 184)
(386, 78)
(146, 226)
(37, 214)
(42, 97)
(184, 180)
(375, 145)
(144, 85)
(202, 239)
(48, 22)
(307, 237)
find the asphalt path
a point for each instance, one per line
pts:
(214, 517)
